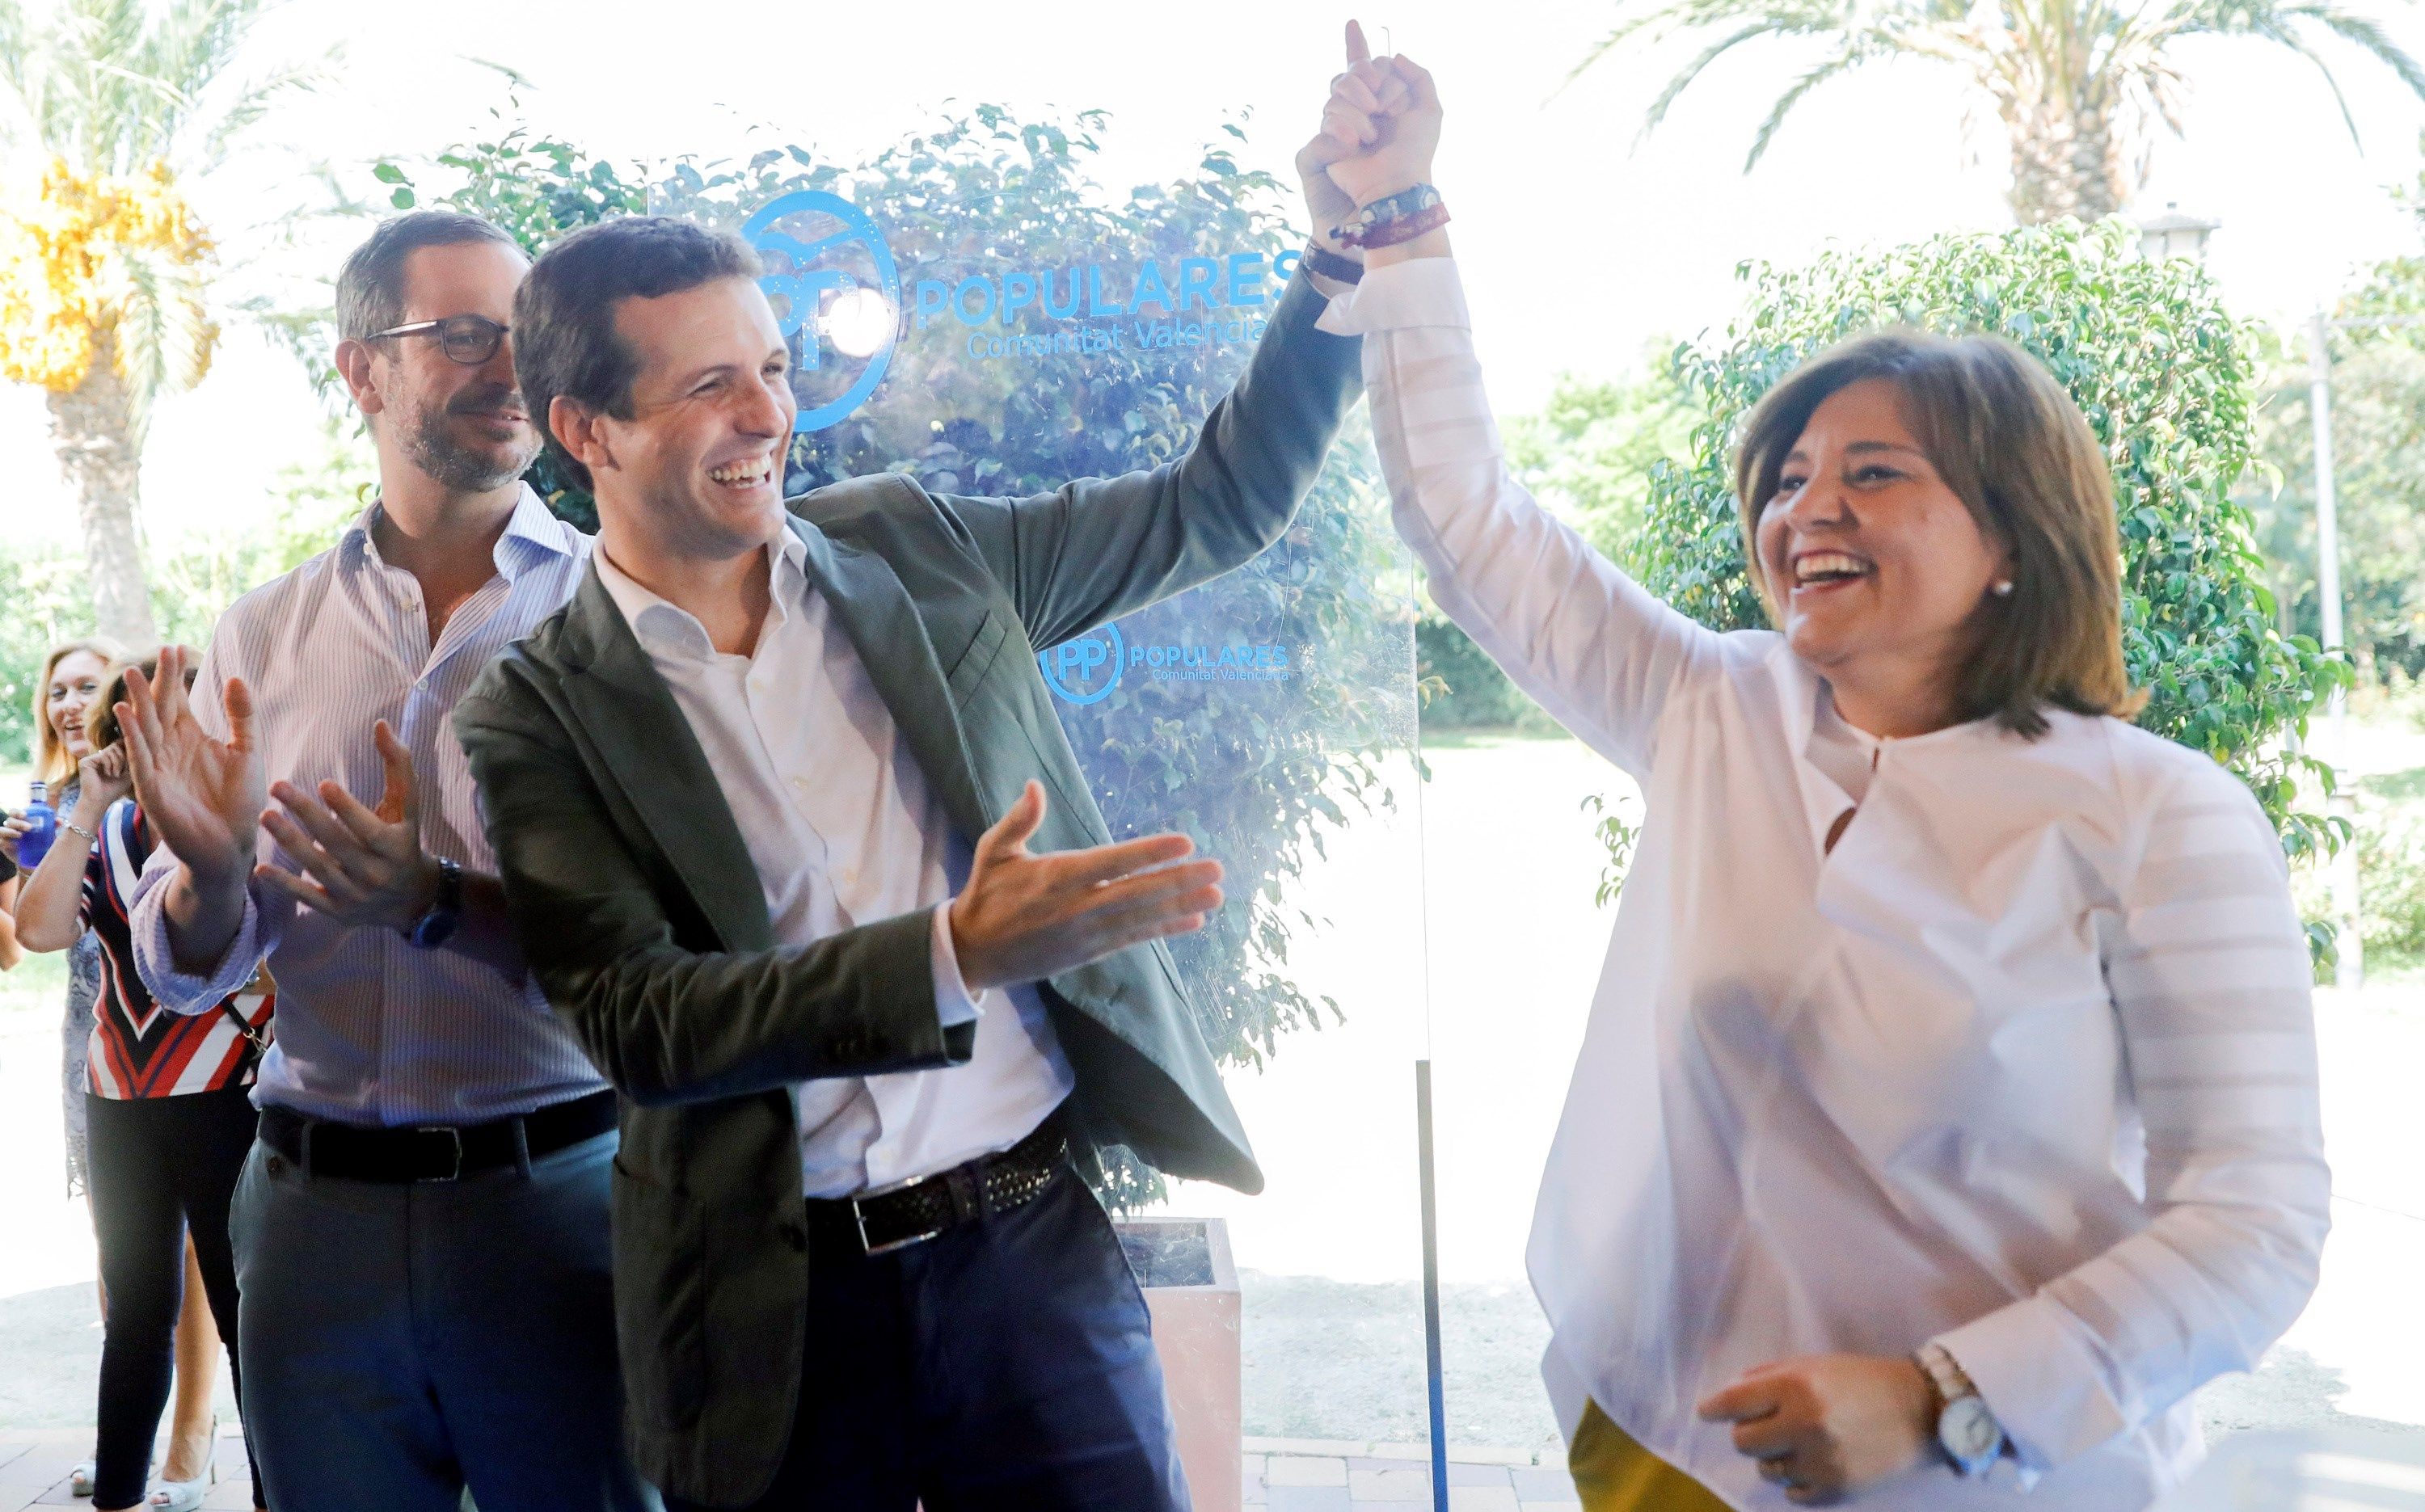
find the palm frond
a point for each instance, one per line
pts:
(1690, 71)
(2368, 34)
(1842, 63)
(163, 330)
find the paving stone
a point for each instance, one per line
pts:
(1399, 1484)
(1337, 1448)
(1545, 1483)
(1482, 1499)
(1303, 1470)
(1312, 1499)
(1460, 1475)
(1550, 1506)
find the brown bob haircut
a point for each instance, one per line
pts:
(2014, 448)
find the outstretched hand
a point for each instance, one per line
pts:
(362, 866)
(200, 796)
(1023, 917)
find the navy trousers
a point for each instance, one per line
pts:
(405, 1342)
(1005, 1365)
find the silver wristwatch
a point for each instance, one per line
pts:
(1968, 1434)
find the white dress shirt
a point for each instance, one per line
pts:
(2025, 1066)
(844, 831)
(372, 1029)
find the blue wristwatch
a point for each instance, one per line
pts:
(436, 925)
(1968, 1433)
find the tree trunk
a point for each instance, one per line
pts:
(93, 428)
(2066, 161)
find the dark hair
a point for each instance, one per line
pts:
(104, 723)
(2012, 446)
(563, 317)
(370, 287)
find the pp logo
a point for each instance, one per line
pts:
(834, 284)
(1085, 670)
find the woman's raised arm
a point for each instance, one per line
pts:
(1587, 642)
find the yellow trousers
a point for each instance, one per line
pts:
(1613, 1473)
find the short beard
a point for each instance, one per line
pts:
(453, 467)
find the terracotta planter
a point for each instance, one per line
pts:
(1191, 1285)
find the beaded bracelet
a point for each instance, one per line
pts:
(1376, 224)
(1329, 264)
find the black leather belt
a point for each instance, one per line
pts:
(894, 1217)
(354, 1153)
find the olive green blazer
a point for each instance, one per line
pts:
(642, 917)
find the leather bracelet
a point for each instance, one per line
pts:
(1405, 229)
(1373, 225)
(1329, 264)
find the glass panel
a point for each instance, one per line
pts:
(962, 310)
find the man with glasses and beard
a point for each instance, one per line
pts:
(421, 1230)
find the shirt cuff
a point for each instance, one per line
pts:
(955, 1005)
(1422, 291)
(191, 993)
(2042, 1385)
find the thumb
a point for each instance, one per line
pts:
(1011, 832)
(1358, 50)
(1748, 1397)
(399, 803)
(236, 699)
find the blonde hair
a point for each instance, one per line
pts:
(2009, 441)
(51, 763)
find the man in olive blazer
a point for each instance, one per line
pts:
(647, 922)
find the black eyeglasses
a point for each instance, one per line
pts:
(469, 340)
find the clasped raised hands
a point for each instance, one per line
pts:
(1380, 128)
(1023, 917)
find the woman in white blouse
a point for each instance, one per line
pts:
(1947, 1114)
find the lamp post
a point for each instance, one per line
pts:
(2350, 971)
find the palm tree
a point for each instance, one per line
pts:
(105, 271)
(2079, 84)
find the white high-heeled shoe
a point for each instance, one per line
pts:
(80, 1479)
(186, 1496)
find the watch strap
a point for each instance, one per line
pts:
(437, 922)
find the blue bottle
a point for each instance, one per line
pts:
(43, 827)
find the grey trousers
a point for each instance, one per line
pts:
(405, 1343)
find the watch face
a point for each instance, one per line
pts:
(1969, 1435)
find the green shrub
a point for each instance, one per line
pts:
(2162, 374)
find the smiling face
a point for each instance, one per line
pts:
(460, 423)
(1876, 567)
(695, 470)
(67, 700)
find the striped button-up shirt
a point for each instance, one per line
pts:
(2024, 1065)
(372, 1029)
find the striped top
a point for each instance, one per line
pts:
(2025, 1065)
(138, 1048)
(372, 1029)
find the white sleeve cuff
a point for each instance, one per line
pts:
(955, 1005)
(192, 992)
(1422, 291)
(2039, 1380)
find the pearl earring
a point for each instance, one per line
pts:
(2003, 588)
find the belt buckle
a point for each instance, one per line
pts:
(455, 1136)
(858, 1218)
